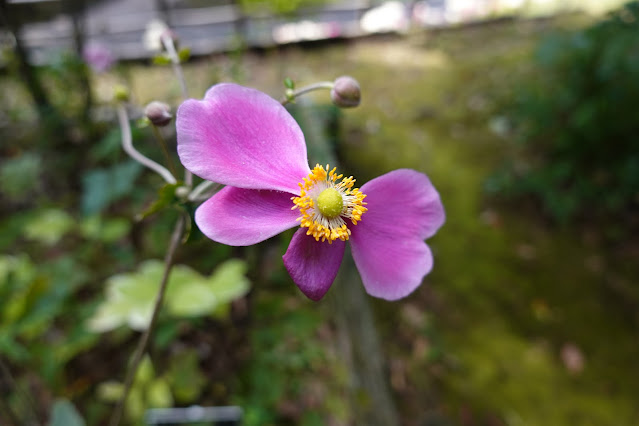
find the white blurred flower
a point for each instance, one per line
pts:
(153, 35)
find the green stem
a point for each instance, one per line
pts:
(176, 237)
(202, 190)
(162, 142)
(169, 45)
(127, 145)
(306, 89)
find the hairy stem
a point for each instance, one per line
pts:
(127, 145)
(306, 89)
(203, 190)
(176, 237)
(169, 45)
(162, 142)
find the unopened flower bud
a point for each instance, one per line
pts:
(158, 113)
(346, 92)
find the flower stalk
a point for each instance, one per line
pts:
(141, 349)
(292, 94)
(162, 142)
(127, 145)
(203, 191)
(169, 45)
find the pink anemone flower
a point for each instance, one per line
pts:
(246, 140)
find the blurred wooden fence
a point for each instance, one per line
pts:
(121, 24)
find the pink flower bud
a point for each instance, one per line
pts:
(158, 113)
(346, 92)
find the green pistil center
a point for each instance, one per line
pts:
(330, 203)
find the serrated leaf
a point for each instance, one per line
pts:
(130, 297)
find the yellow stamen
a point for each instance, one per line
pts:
(325, 203)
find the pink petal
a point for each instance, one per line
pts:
(241, 137)
(242, 217)
(387, 245)
(313, 265)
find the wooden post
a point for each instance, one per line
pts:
(348, 305)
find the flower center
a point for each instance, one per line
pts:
(330, 203)
(326, 201)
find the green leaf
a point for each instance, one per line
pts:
(166, 197)
(63, 413)
(184, 54)
(190, 294)
(19, 176)
(145, 373)
(193, 299)
(161, 59)
(12, 349)
(19, 269)
(185, 377)
(130, 297)
(289, 83)
(101, 187)
(159, 394)
(229, 281)
(105, 230)
(135, 405)
(109, 147)
(49, 226)
(110, 391)
(142, 123)
(129, 300)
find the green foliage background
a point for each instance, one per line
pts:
(577, 122)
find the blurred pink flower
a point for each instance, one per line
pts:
(98, 56)
(246, 140)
